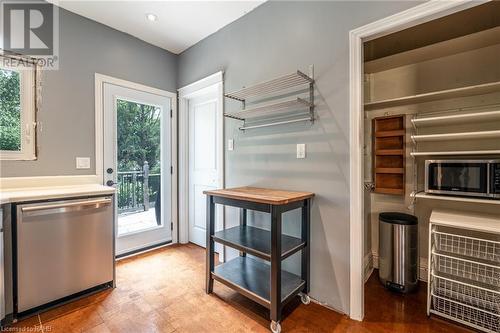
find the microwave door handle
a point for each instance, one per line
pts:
(439, 176)
(488, 178)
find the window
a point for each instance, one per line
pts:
(17, 113)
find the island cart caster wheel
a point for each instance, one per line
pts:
(275, 327)
(305, 299)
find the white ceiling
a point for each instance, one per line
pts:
(180, 24)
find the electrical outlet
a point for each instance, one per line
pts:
(301, 150)
(230, 144)
(83, 162)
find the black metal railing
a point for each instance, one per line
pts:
(137, 190)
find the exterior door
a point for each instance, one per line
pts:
(204, 161)
(137, 161)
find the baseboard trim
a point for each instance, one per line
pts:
(325, 305)
(368, 266)
(371, 262)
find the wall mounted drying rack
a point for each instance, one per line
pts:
(269, 114)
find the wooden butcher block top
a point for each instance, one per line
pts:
(261, 195)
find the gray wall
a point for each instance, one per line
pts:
(67, 113)
(274, 39)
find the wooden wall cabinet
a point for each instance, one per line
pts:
(389, 154)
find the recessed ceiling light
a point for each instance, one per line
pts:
(152, 17)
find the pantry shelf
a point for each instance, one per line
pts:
(428, 196)
(479, 89)
(456, 118)
(456, 136)
(456, 153)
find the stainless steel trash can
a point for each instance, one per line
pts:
(398, 251)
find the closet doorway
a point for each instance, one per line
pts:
(359, 103)
(201, 156)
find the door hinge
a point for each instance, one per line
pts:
(171, 225)
(171, 113)
(171, 170)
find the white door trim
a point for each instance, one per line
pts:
(419, 14)
(100, 80)
(185, 93)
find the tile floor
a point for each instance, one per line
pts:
(163, 291)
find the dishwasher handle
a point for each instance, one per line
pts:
(65, 207)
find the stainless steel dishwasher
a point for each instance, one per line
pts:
(63, 248)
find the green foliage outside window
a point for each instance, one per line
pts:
(139, 140)
(138, 134)
(10, 111)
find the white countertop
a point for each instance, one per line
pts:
(24, 194)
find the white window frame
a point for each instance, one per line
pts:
(28, 122)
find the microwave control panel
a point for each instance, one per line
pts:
(496, 177)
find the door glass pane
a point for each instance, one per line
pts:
(139, 166)
(10, 111)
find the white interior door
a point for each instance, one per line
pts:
(205, 161)
(137, 161)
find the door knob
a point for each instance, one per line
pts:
(110, 183)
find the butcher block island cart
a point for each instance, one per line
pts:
(263, 283)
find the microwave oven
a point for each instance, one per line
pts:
(475, 178)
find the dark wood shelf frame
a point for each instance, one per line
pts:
(389, 156)
(266, 284)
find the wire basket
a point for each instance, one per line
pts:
(484, 299)
(467, 246)
(466, 314)
(474, 271)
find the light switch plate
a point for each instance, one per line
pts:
(301, 150)
(83, 162)
(230, 144)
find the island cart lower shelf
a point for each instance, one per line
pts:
(264, 283)
(251, 278)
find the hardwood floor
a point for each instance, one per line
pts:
(163, 291)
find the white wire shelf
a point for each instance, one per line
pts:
(455, 153)
(468, 315)
(479, 89)
(473, 247)
(469, 269)
(465, 293)
(272, 86)
(456, 136)
(456, 118)
(273, 109)
(464, 282)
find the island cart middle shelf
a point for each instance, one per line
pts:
(266, 284)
